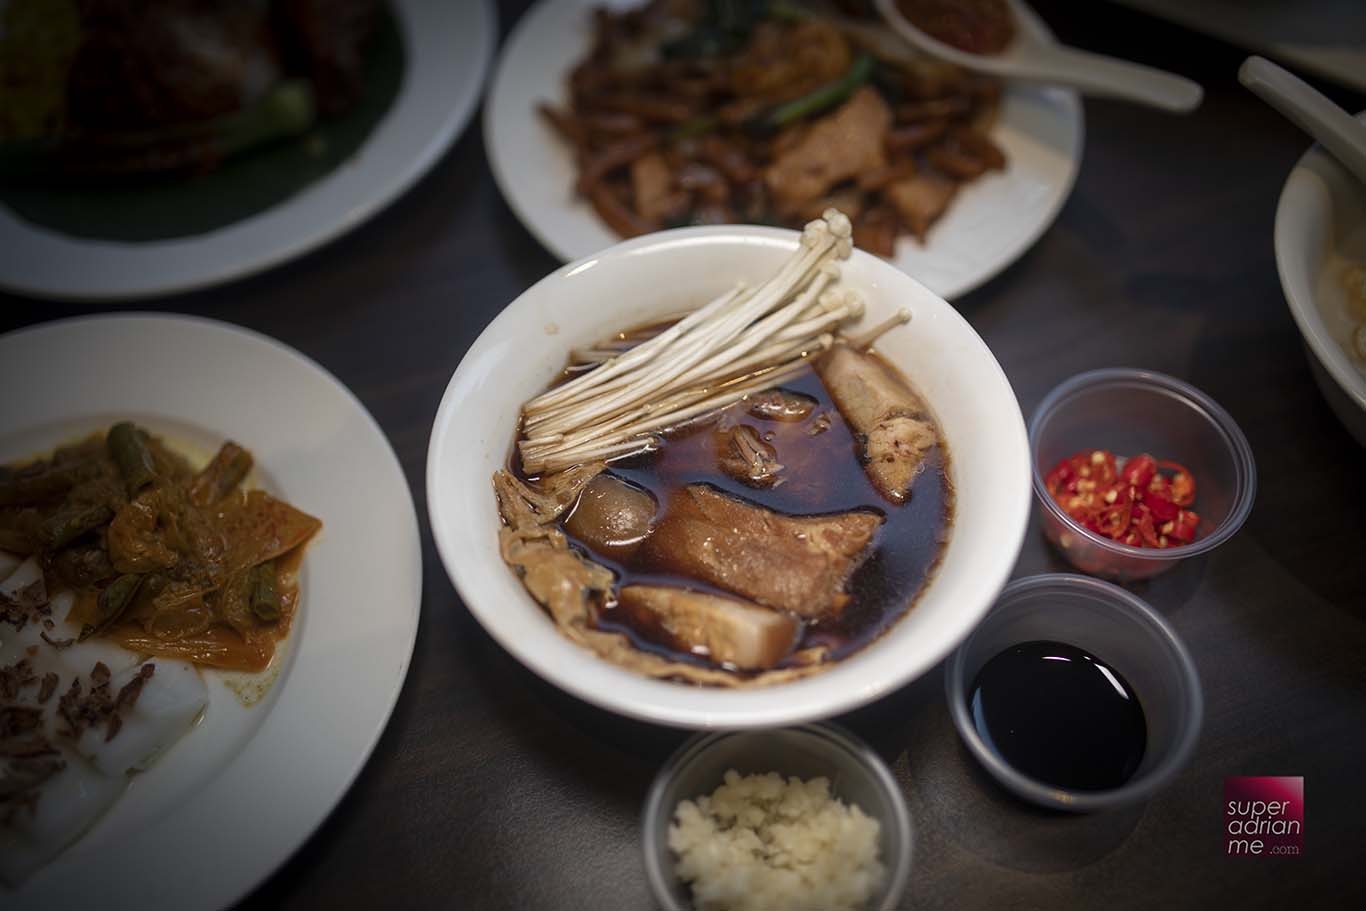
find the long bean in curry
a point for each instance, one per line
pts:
(265, 597)
(116, 598)
(163, 559)
(132, 456)
(61, 528)
(222, 476)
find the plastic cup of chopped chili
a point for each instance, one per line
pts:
(1117, 415)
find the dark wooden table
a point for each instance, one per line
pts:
(490, 789)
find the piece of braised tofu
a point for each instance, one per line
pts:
(723, 630)
(892, 422)
(793, 563)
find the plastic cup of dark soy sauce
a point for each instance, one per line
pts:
(1124, 635)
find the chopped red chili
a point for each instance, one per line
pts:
(1142, 504)
(1139, 470)
(1182, 484)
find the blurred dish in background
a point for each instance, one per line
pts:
(984, 214)
(1325, 37)
(140, 122)
(1352, 277)
(109, 90)
(987, 42)
(685, 114)
(150, 150)
(1320, 248)
(975, 26)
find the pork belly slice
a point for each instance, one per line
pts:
(723, 630)
(793, 563)
(892, 422)
(921, 199)
(652, 187)
(836, 147)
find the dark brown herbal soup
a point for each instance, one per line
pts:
(821, 473)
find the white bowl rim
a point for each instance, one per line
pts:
(1305, 312)
(695, 707)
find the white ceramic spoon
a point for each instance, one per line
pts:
(1305, 106)
(1033, 60)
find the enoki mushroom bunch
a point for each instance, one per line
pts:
(745, 341)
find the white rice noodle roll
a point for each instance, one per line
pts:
(68, 805)
(20, 578)
(8, 563)
(78, 658)
(166, 709)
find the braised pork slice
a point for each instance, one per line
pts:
(652, 188)
(892, 422)
(723, 630)
(571, 587)
(837, 147)
(793, 563)
(921, 199)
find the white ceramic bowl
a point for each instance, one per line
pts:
(1321, 219)
(523, 349)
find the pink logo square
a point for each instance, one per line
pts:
(1264, 814)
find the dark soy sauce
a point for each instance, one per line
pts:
(1059, 715)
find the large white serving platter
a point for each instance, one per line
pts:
(992, 222)
(447, 49)
(236, 796)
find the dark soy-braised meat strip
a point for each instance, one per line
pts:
(892, 422)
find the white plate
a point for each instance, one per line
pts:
(990, 224)
(235, 797)
(636, 280)
(447, 47)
